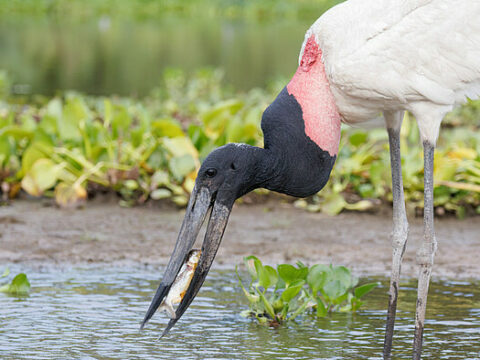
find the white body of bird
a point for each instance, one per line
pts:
(388, 55)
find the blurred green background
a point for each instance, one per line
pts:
(123, 46)
(128, 97)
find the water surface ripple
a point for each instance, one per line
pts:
(94, 313)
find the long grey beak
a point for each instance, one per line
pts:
(200, 202)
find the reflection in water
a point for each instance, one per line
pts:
(94, 313)
(128, 58)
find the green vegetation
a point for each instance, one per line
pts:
(148, 9)
(18, 286)
(72, 146)
(278, 295)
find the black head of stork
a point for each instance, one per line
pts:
(290, 163)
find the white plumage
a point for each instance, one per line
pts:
(388, 55)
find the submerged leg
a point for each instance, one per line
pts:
(400, 224)
(426, 252)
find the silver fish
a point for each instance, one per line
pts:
(181, 283)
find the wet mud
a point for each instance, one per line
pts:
(104, 232)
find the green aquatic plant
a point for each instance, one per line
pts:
(73, 146)
(282, 294)
(18, 286)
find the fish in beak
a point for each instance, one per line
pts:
(226, 174)
(201, 201)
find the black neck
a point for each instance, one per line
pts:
(290, 163)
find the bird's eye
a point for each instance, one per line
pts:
(232, 166)
(211, 172)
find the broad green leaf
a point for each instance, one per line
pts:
(364, 289)
(42, 176)
(18, 286)
(35, 151)
(342, 274)
(74, 111)
(333, 204)
(6, 272)
(290, 273)
(272, 274)
(16, 132)
(263, 274)
(292, 291)
(181, 166)
(317, 275)
(334, 289)
(167, 128)
(180, 146)
(358, 138)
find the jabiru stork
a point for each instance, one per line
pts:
(358, 60)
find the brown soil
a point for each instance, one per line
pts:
(275, 232)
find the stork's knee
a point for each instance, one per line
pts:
(399, 236)
(426, 253)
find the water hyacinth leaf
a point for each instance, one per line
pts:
(216, 118)
(334, 289)
(181, 166)
(16, 132)
(70, 195)
(42, 176)
(358, 138)
(263, 274)
(444, 168)
(167, 128)
(290, 273)
(55, 108)
(364, 289)
(462, 153)
(333, 203)
(292, 291)
(272, 274)
(342, 274)
(180, 146)
(317, 276)
(19, 286)
(74, 111)
(160, 194)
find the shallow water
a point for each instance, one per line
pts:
(94, 313)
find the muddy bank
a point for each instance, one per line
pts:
(105, 232)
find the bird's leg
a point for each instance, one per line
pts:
(400, 224)
(426, 252)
